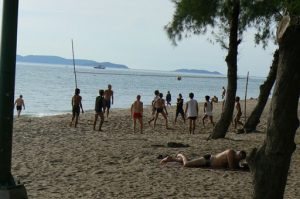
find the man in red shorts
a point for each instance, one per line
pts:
(137, 112)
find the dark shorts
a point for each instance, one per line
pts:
(107, 104)
(192, 118)
(179, 111)
(159, 110)
(76, 110)
(19, 108)
(207, 160)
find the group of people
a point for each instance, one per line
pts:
(103, 103)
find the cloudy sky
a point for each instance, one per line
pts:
(127, 32)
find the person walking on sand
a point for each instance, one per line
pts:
(109, 99)
(223, 97)
(137, 112)
(179, 108)
(76, 106)
(208, 108)
(168, 98)
(156, 93)
(228, 159)
(19, 103)
(191, 110)
(239, 112)
(99, 110)
(160, 107)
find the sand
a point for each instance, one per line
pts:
(56, 161)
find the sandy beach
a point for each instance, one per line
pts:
(56, 161)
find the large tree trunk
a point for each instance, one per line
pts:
(226, 117)
(270, 163)
(265, 89)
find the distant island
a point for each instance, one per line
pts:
(198, 71)
(47, 59)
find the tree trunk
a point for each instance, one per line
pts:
(263, 97)
(226, 117)
(270, 163)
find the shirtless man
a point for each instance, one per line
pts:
(228, 159)
(99, 110)
(137, 112)
(239, 112)
(109, 99)
(160, 107)
(156, 93)
(19, 103)
(76, 105)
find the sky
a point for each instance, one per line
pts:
(129, 32)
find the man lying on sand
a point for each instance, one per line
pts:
(228, 159)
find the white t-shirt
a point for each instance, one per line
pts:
(192, 108)
(208, 110)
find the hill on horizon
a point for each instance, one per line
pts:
(50, 59)
(198, 71)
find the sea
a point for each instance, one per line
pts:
(47, 89)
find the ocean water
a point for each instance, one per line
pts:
(48, 89)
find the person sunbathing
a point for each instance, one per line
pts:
(228, 159)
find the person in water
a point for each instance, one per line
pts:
(168, 98)
(228, 159)
(19, 103)
(76, 106)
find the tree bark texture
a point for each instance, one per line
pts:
(222, 125)
(270, 163)
(265, 89)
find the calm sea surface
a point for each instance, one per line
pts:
(48, 89)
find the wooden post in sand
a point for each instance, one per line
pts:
(74, 65)
(245, 115)
(9, 188)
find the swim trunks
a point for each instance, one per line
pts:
(76, 110)
(19, 108)
(137, 115)
(207, 160)
(192, 118)
(159, 110)
(107, 103)
(179, 111)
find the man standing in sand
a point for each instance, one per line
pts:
(99, 110)
(137, 112)
(19, 103)
(160, 107)
(239, 112)
(208, 108)
(156, 93)
(191, 110)
(109, 99)
(228, 159)
(76, 105)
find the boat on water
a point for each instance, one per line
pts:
(100, 67)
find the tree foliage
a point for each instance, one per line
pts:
(199, 16)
